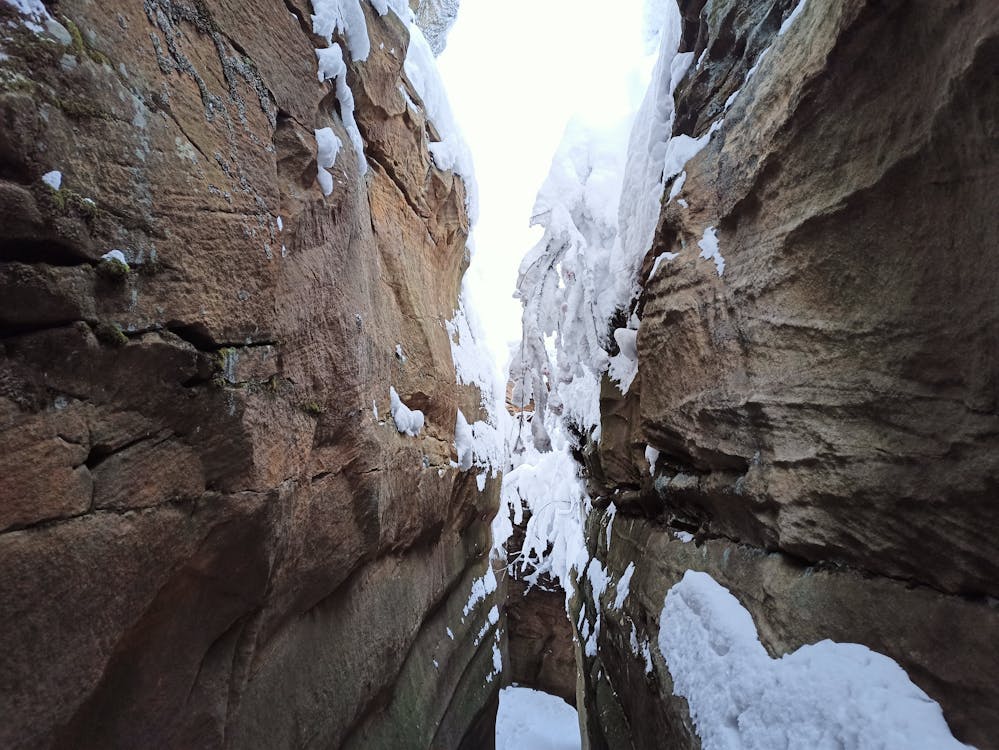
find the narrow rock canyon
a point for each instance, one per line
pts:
(259, 488)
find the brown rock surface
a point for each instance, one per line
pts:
(538, 631)
(843, 371)
(826, 408)
(211, 533)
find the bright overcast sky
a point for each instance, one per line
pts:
(516, 72)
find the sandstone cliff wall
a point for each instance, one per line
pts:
(825, 407)
(211, 533)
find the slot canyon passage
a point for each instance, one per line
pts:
(272, 475)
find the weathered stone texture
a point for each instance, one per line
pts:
(211, 533)
(826, 408)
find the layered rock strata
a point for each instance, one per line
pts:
(211, 533)
(820, 384)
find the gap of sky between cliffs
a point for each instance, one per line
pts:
(516, 74)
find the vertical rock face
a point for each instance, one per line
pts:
(539, 635)
(823, 395)
(211, 532)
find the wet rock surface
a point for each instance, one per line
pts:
(206, 508)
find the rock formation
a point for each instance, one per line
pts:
(221, 524)
(538, 633)
(211, 533)
(823, 395)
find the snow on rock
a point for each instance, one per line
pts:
(481, 443)
(611, 515)
(624, 586)
(644, 177)
(115, 256)
(682, 148)
(665, 257)
(531, 720)
(36, 18)
(332, 67)
(709, 249)
(481, 588)
(624, 365)
(789, 21)
(492, 618)
(598, 578)
(451, 152)
(824, 696)
(345, 17)
(641, 649)
(407, 421)
(33, 9)
(599, 581)
(53, 179)
(328, 147)
(548, 483)
(473, 364)
(399, 7)
(463, 442)
(651, 455)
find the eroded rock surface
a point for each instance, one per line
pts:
(211, 533)
(538, 633)
(825, 408)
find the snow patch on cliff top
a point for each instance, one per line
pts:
(346, 18)
(450, 152)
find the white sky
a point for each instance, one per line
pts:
(516, 72)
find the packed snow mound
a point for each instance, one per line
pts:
(407, 421)
(825, 696)
(532, 720)
(328, 146)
